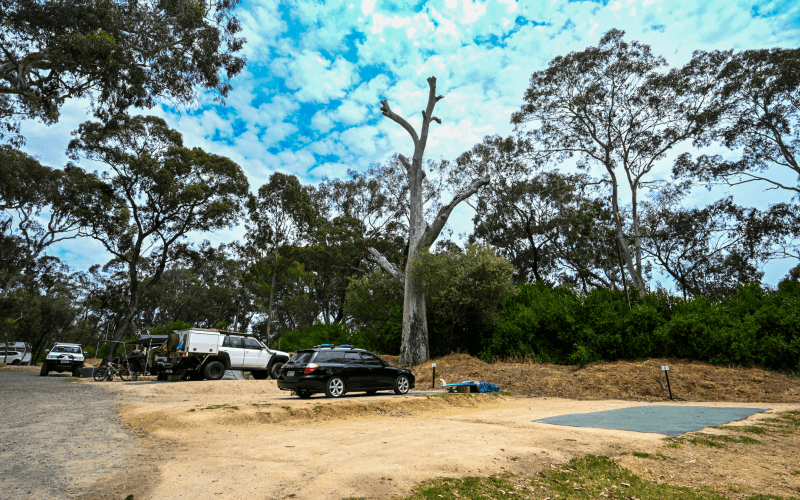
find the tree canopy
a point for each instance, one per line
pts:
(119, 53)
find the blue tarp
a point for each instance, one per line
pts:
(482, 386)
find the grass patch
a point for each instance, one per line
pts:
(219, 407)
(796, 473)
(674, 442)
(719, 440)
(752, 429)
(71, 379)
(581, 478)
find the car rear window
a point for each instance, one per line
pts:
(64, 348)
(302, 357)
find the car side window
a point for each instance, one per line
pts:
(251, 343)
(329, 357)
(352, 358)
(371, 359)
(232, 342)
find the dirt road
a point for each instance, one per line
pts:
(59, 439)
(246, 439)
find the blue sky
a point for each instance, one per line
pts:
(308, 101)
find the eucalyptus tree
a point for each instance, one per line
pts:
(117, 53)
(421, 234)
(614, 107)
(760, 93)
(280, 214)
(41, 206)
(156, 191)
(707, 251)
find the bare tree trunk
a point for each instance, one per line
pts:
(415, 347)
(271, 295)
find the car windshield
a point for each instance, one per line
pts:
(302, 357)
(64, 348)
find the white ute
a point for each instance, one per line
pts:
(199, 353)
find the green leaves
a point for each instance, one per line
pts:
(122, 54)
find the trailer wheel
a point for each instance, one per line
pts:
(214, 370)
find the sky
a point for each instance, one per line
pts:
(308, 101)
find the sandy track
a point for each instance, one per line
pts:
(246, 439)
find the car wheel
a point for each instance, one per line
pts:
(15, 362)
(276, 370)
(335, 387)
(401, 385)
(214, 370)
(45, 369)
(260, 374)
(100, 374)
(371, 392)
(303, 394)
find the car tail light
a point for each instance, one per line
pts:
(310, 368)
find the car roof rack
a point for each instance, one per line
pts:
(334, 346)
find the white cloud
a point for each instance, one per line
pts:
(314, 77)
(320, 98)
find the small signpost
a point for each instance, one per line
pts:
(666, 373)
(433, 376)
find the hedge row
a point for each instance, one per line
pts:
(752, 327)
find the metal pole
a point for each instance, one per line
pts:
(666, 372)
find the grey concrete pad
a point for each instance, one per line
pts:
(668, 420)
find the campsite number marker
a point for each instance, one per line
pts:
(433, 377)
(666, 372)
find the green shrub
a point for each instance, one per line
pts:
(754, 326)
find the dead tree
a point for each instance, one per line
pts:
(414, 347)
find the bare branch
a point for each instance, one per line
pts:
(405, 162)
(387, 266)
(387, 111)
(432, 231)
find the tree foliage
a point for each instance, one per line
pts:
(160, 191)
(612, 106)
(119, 53)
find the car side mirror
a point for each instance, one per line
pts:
(47, 350)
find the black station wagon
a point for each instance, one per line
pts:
(336, 370)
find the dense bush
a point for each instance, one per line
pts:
(752, 327)
(335, 333)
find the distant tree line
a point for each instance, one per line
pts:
(572, 207)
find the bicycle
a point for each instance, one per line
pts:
(112, 368)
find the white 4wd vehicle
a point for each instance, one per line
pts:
(63, 358)
(199, 353)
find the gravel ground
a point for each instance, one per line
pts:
(58, 438)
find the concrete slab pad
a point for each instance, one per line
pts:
(668, 420)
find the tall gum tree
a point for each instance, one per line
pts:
(615, 106)
(414, 347)
(160, 191)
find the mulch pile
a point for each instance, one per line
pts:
(624, 380)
